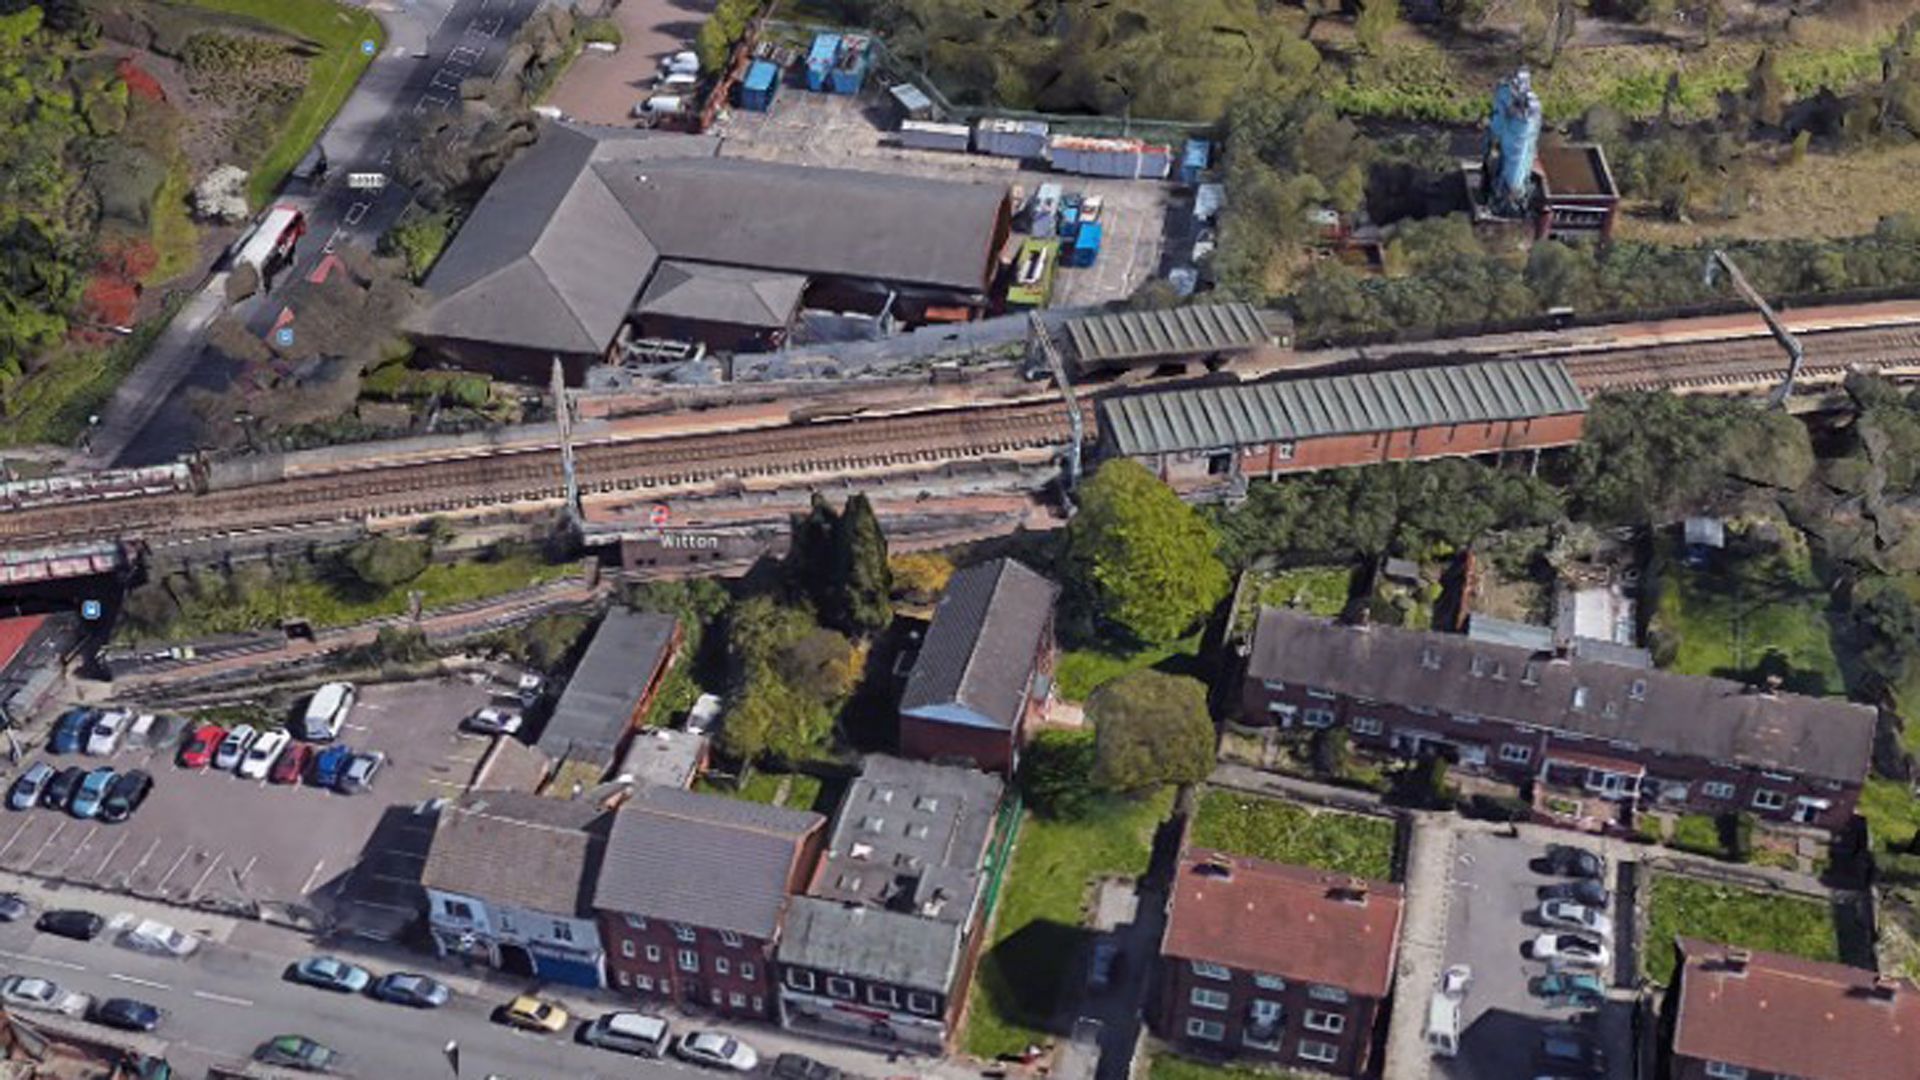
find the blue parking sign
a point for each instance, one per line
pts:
(367, 47)
(283, 337)
(90, 610)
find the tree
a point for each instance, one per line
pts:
(920, 577)
(384, 562)
(772, 720)
(1151, 728)
(811, 558)
(1766, 90)
(1376, 20)
(821, 664)
(1142, 559)
(862, 581)
(1056, 774)
(418, 241)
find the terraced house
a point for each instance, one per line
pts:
(1627, 735)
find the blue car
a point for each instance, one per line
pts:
(70, 731)
(330, 765)
(93, 791)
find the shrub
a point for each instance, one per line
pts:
(1736, 835)
(1699, 834)
(1499, 808)
(601, 31)
(139, 83)
(419, 240)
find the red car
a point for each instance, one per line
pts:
(292, 764)
(198, 752)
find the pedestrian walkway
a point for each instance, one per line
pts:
(1423, 937)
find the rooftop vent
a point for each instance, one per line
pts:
(1735, 961)
(1886, 987)
(1430, 658)
(861, 851)
(1215, 868)
(1638, 691)
(1348, 890)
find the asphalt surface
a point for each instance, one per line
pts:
(150, 419)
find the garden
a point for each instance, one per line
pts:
(1767, 921)
(1285, 832)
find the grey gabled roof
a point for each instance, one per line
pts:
(1199, 328)
(1683, 715)
(722, 294)
(980, 650)
(594, 712)
(511, 847)
(1223, 416)
(872, 943)
(703, 860)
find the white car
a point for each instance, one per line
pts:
(154, 936)
(104, 739)
(1571, 952)
(31, 992)
(141, 731)
(716, 1050)
(235, 746)
(263, 753)
(492, 721)
(1572, 916)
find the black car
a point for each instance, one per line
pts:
(802, 1067)
(60, 789)
(1586, 891)
(129, 790)
(1568, 861)
(71, 923)
(126, 1014)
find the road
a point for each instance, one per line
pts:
(432, 45)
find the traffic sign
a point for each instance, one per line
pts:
(90, 610)
(367, 181)
(660, 515)
(368, 47)
(283, 337)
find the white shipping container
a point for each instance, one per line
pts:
(1010, 138)
(923, 135)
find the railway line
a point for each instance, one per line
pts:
(1707, 366)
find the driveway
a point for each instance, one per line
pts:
(601, 87)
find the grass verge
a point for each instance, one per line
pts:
(802, 790)
(1080, 672)
(1750, 611)
(1772, 922)
(1330, 840)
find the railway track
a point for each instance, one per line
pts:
(1707, 365)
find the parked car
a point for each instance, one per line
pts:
(201, 746)
(1566, 950)
(45, 995)
(14, 907)
(405, 988)
(126, 1014)
(1569, 861)
(1569, 1050)
(70, 731)
(329, 764)
(140, 735)
(360, 771)
(717, 1050)
(492, 721)
(91, 792)
(234, 747)
(326, 712)
(297, 1052)
(1103, 965)
(292, 765)
(1587, 893)
(686, 60)
(27, 788)
(331, 973)
(263, 753)
(60, 789)
(534, 1014)
(129, 790)
(104, 738)
(1456, 981)
(1578, 990)
(629, 1033)
(705, 714)
(154, 936)
(70, 923)
(802, 1067)
(1574, 916)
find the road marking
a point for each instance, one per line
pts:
(386, 155)
(247, 869)
(161, 885)
(59, 828)
(208, 995)
(218, 856)
(82, 846)
(141, 865)
(111, 852)
(465, 54)
(355, 213)
(312, 878)
(28, 820)
(138, 981)
(47, 960)
(452, 80)
(454, 784)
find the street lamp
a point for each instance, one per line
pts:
(452, 1051)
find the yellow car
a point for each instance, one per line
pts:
(535, 1014)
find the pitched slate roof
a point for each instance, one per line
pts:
(1791, 1017)
(980, 650)
(722, 294)
(703, 860)
(1284, 920)
(1197, 328)
(1686, 715)
(510, 847)
(593, 713)
(1220, 416)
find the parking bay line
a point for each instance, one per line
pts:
(24, 822)
(141, 865)
(138, 981)
(82, 846)
(58, 828)
(47, 960)
(312, 877)
(111, 852)
(218, 857)
(161, 885)
(208, 995)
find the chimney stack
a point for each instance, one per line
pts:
(1886, 987)
(1735, 960)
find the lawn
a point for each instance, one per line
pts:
(340, 32)
(1317, 590)
(803, 791)
(1890, 809)
(1079, 672)
(1041, 907)
(1331, 840)
(1750, 612)
(1168, 1066)
(1772, 922)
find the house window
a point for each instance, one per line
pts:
(643, 982)
(746, 969)
(620, 977)
(1717, 789)
(737, 999)
(683, 933)
(1720, 1070)
(635, 922)
(1766, 799)
(758, 1005)
(717, 995)
(627, 950)
(653, 953)
(721, 966)
(1282, 710)
(1328, 993)
(884, 996)
(1273, 686)
(840, 988)
(1211, 971)
(458, 909)
(1283, 451)
(1515, 753)
(1203, 998)
(1465, 718)
(799, 980)
(1331, 1023)
(1323, 695)
(561, 931)
(924, 1004)
(1315, 1050)
(689, 960)
(730, 939)
(1220, 463)
(1365, 725)
(1317, 718)
(1269, 982)
(1206, 1029)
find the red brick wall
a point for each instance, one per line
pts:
(1176, 1007)
(934, 740)
(670, 983)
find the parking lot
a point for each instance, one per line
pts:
(1491, 907)
(213, 838)
(834, 131)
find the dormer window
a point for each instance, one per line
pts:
(1579, 698)
(1638, 691)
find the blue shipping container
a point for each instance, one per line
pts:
(1086, 246)
(850, 65)
(820, 58)
(758, 88)
(1194, 159)
(1069, 220)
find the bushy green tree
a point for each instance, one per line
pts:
(1151, 728)
(773, 721)
(384, 562)
(418, 241)
(1056, 774)
(1140, 558)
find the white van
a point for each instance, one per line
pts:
(629, 1033)
(662, 105)
(327, 712)
(686, 61)
(678, 82)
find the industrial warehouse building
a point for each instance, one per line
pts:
(1209, 442)
(595, 235)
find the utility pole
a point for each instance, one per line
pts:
(1795, 354)
(563, 410)
(1049, 349)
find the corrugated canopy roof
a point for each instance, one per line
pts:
(1131, 335)
(1221, 416)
